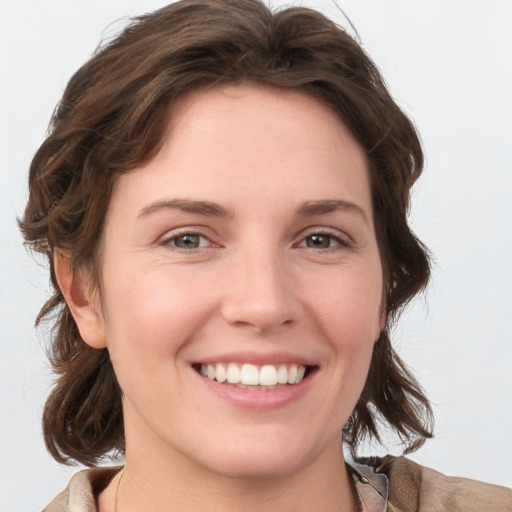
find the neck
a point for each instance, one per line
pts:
(157, 484)
(159, 476)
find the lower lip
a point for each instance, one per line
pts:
(258, 400)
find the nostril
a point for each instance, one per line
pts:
(261, 304)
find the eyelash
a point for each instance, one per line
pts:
(340, 241)
(170, 241)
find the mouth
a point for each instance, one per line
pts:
(265, 377)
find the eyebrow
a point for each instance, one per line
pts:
(211, 209)
(321, 207)
(206, 208)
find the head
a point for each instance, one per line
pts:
(114, 117)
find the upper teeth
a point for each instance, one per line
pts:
(252, 375)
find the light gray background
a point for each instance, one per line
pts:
(449, 64)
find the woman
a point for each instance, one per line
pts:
(223, 202)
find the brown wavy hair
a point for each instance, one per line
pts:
(112, 118)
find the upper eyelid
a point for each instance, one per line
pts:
(187, 230)
(211, 236)
(178, 232)
(324, 230)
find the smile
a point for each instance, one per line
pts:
(264, 377)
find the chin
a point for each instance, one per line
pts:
(248, 467)
(266, 456)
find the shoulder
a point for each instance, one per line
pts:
(80, 494)
(413, 487)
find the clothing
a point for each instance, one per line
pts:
(412, 488)
(371, 488)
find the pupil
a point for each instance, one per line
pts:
(318, 241)
(188, 241)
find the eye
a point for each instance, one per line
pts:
(319, 241)
(324, 241)
(187, 241)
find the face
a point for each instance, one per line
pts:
(241, 284)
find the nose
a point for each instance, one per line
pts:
(259, 293)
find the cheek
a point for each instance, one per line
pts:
(150, 316)
(349, 307)
(348, 313)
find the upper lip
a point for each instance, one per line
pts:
(258, 359)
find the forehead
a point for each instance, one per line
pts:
(252, 141)
(254, 113)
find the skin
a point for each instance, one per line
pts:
(258, 281)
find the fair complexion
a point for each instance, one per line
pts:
(247, 245)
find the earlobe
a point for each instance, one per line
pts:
(76, 286)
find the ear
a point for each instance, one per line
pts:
(382, 321)
(77, 288)
(383, 314)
